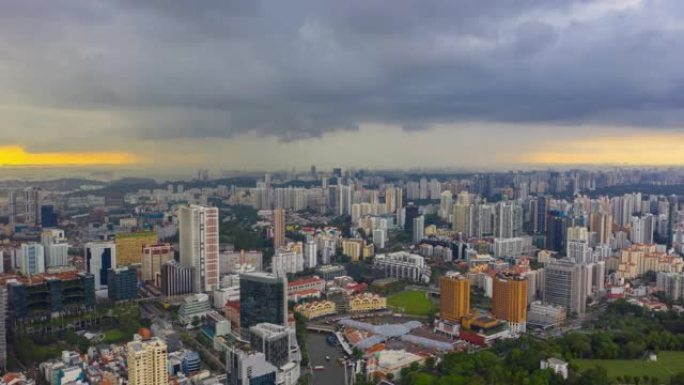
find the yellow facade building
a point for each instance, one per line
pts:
(366, 302)
(509, 300)
(316, 309)
(454, 290)
(147, 362)
(129, 246)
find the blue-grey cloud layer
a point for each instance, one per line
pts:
(299, 68)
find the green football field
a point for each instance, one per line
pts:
(668, 363)
(413, 302)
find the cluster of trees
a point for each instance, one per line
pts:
(626, 331)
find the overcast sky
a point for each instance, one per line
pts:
(262, 84)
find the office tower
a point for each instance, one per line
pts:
(278, 228)
(31, 260)
(399, 197)
(418, 229)
(48, 217)
(310, 253)
(100, 257)
(272, 340)
(153, 257)
(198, 242)
(147, 362)
(32, 206)
(454, 290)
(563, 286)
(411, 212)
(55, 247)
(176, 279)
(556, 229)
(122, 284)
(3, 326)
(130, 245)
(509, 300)
(263, 298)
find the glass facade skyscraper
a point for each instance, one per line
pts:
(263, 298)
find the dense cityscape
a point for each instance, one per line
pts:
(356, 192)
(345, 276)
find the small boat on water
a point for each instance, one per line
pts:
(319, 367)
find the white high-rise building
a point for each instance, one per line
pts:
(418, 229)
(31, 258)
(379, 238)
(641, 229)
(579, 252)
(199, 245)
(100, 257)
(56, 247)
(311, 253)
(287, 260)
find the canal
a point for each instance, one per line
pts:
(333, 374)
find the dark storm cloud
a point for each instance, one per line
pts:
(301, 68)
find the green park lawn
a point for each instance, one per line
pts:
(668, 363)
(413, 302)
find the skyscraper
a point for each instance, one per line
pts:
(454, 290)
(32, 206)
(556, 228)
(509, 300)
(147, 362)
(411, 213)
(563, 285)
(48, 217)
(263, 298)
(418, 229)
(153, 257)
(198, 242)
(100, 257)
(278, 228)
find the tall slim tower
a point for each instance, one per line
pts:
(278, 228)
(454, 290)
(199, 244)
(147, 362)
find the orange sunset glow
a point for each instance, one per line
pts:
(652, 150)
(18, 156)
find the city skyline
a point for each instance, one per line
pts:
(262, 86)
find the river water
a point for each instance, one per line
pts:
(318, 349)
